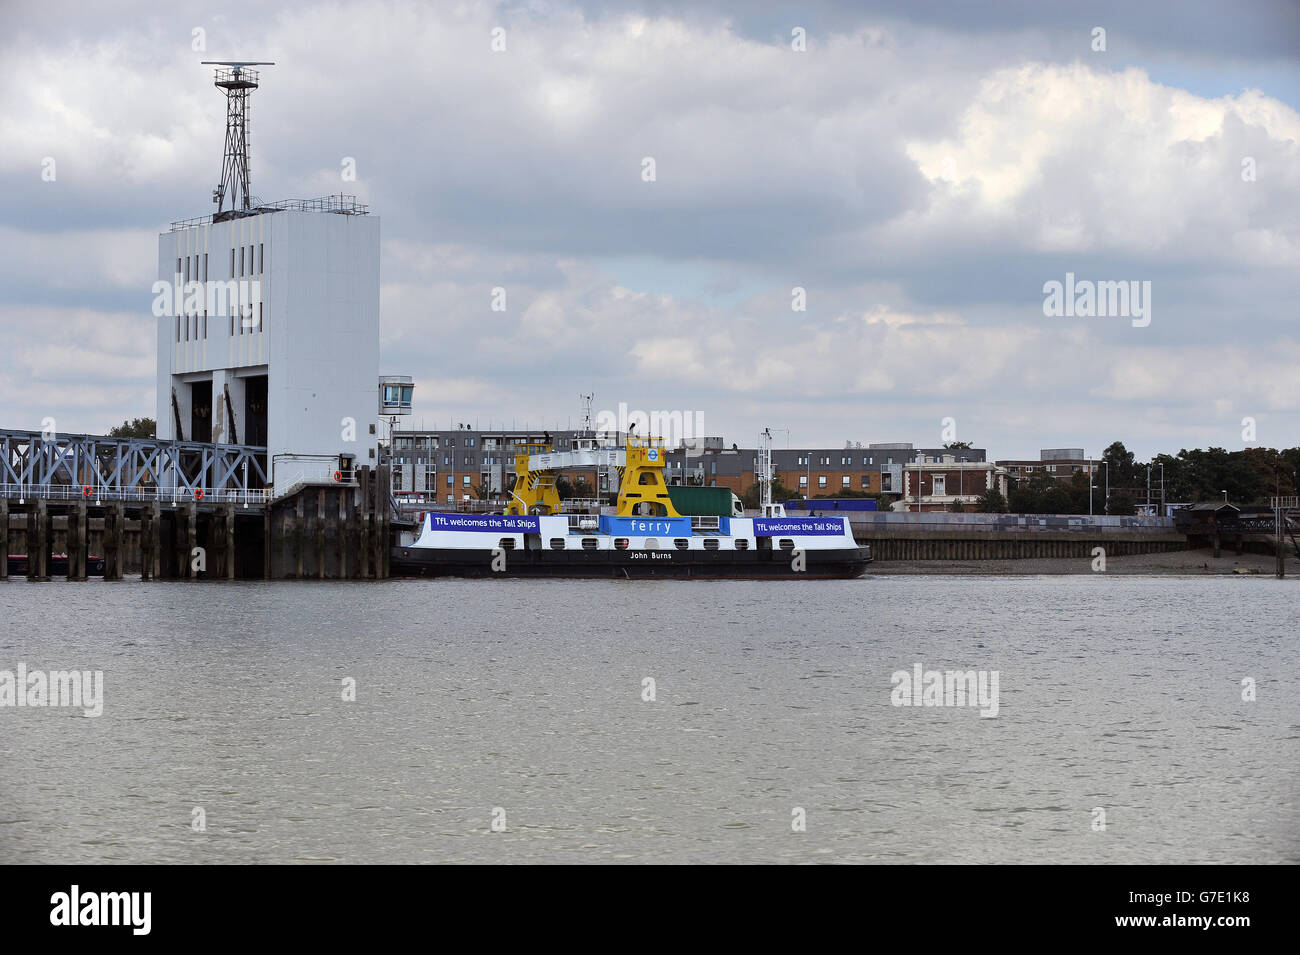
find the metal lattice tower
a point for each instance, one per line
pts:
(237, 80)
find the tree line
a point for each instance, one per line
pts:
(1248, 477)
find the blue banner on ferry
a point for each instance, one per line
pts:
(807, 526)
(645, 526)
(490, 523)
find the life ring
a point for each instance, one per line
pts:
(87, 491)
(338, 477)
(198, 494)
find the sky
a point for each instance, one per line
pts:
(915, 173)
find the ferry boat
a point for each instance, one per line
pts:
(644, 535)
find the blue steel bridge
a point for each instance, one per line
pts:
(52, 466)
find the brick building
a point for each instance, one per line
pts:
(938, 481)
(449, 468)
(1060, 464)
(818, 472)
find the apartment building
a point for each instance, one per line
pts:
(1060, 464)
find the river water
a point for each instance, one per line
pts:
(1121, 733)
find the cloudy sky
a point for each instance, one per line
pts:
(921, 170)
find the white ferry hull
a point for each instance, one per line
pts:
(621, 548)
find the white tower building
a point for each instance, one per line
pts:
(280, 345)
(269, 332)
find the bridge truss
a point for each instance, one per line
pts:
(36, 464)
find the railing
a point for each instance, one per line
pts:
(476, 506)
(705, 522)
(645, 441)
(289, 472)
(340, 205)
(126, 468)
(1245, 524)
(409, 506)
(240, 77)
(92, 494)
(980, 520)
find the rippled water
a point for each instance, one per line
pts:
(1120, 693)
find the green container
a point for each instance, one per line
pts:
(700, 501)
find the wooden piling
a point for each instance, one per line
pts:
(385, 535)
(147, 533)
(226, 521)
(38, 542)
(76, 535)
(363, 520)
(341, 532)
(155, 540)
(216, 537)
(4, 538)
(320, 533)
(114, 552)
(182, 542)
(297, 534)
(192, 540)
(266, 541)
(1279, 517)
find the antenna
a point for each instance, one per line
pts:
(236, 79)
(765, 471)
(586, 411)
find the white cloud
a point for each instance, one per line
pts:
(921, 184)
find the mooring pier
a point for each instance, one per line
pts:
(177, 510)
(943, 535)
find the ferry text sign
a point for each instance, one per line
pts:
(645, 526)
(807, 526)
(488, 523)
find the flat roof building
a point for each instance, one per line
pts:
(270, 336)
(1061, 464)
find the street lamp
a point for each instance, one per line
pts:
(920, 458)
(1092, 482)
